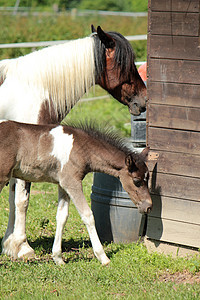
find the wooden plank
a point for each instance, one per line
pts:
(177, 164)
(176, 209)
(174, 186)
(169, 70)
(177, 5)
(173, 93)
(173, 140)
(172, 23)
(174, 232)
(175, 117)
(181, 47)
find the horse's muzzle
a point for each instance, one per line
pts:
(136, 107)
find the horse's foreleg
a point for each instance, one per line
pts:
(11, 220)
(86, 214)
(15, 242)
(61, 219)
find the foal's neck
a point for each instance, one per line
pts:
(109, 161)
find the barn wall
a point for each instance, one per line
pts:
(173, 120)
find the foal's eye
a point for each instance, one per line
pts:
(137, 182)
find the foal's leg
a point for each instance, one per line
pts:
(75, 192)
(15, 242)
(61, 219)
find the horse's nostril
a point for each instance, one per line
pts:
(142, 109)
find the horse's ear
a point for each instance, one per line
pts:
(93, 29)
(130, 163)
(105, 38)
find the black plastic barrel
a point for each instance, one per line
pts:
(116, 217)
(138, 130)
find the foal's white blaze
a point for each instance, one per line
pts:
(63, 144)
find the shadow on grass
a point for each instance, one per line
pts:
(46, 243)
(79, 249)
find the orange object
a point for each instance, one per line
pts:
(143, 71)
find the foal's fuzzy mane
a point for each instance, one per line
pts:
(104, 133)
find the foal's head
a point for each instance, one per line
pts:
(119, 75)
(134, 178)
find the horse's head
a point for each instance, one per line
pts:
(119, 76)
(134, 178)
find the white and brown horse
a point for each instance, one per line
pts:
(64, 155)
(42, 87)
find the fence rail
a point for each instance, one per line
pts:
(74, 12)
(51, 43)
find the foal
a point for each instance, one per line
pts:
(64, 155)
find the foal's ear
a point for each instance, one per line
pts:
(130, 163)
(144, 154)
(149, 155)
(93, 29)
(105, 38)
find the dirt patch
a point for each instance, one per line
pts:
(181, 277)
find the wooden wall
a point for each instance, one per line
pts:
(173, 120)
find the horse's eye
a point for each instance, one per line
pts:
(137, 182)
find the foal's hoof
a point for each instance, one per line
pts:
(58, 260)
(106, 262)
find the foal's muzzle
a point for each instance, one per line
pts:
(145, 207)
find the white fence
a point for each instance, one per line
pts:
(74, 12)
(50, 43)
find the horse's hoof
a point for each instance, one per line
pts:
(26, 252)
(13, 248)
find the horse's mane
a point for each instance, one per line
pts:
(63, 73)
(104, 133)
(124, 56)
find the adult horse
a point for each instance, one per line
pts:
(43, 86)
